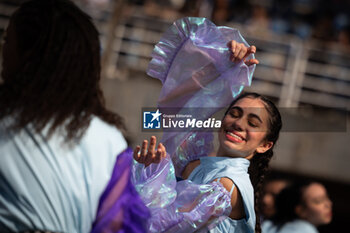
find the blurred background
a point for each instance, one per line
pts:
(304, 51)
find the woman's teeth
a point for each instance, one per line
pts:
(235, 136)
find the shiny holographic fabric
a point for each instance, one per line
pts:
(195, 146)
(156, 179)
(192, 60)
(178, 206)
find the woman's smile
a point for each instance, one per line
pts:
(233, 136)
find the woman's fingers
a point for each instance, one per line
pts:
(151, 150)
(146, 154)
(144, 148)
(162, 147)
(252, 62)
(152, 145)
(251, 49)
(143, 153)
(240, 52)
(232, 45)
(158, 155)
(161, 153)
(237, 50)
(136, 154)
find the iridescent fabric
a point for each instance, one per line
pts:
(178, 206)
(194, 146)
(121, 209)
(192, 61)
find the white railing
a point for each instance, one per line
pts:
(290, 70)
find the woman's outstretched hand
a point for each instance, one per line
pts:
(240, 52)
(150, 155)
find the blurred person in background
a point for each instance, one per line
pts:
(272, 187)
(259, 23)
(62, 152)
(343, 37)
(301, 207)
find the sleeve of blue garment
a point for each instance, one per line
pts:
(178, 206)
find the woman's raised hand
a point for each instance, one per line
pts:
(150, 155)
(240, 52)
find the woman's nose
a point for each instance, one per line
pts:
(329, 203)
(238, 124)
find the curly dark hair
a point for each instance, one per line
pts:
(58, 83)
(260, 162)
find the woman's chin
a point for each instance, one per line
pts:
(231, 151)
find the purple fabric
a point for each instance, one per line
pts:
(192, 61)
(178, 207)
(195, 146)
(120, 207)
(156, 183)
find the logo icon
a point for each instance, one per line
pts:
(151, 120)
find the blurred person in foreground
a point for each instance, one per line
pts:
(64, 164)
(301, 207)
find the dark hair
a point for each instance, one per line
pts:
(260, 162)
(59, 82)
(287, 200)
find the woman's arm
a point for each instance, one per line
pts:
(182, 205)
(239, 52)
(189, 168)
(209, 72)
(236, 199)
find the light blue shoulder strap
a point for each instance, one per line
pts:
(233, 187)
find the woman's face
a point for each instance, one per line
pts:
(243, 129)
(271, 190)
(317, 208)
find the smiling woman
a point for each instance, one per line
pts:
(202, 65)
(248, 133)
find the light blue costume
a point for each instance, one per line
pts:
(48, 185)
(236, 169)
(297, 225)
